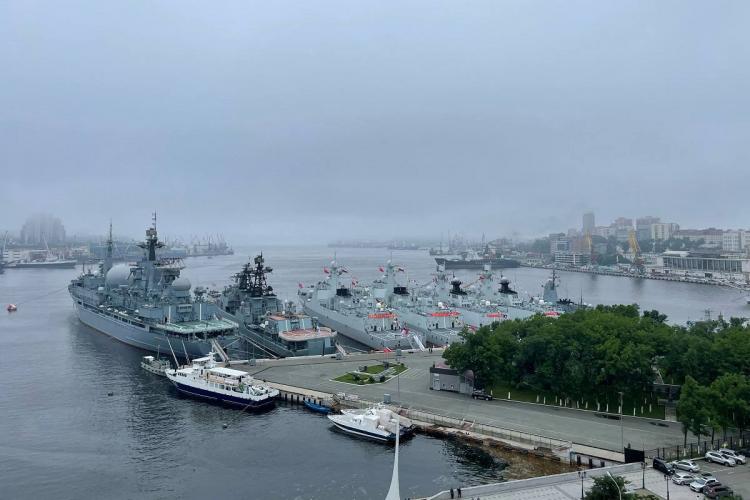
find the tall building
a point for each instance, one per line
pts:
(735, 241)
(588, 223)
(643, 226)
(40, 229)
(663, 230)
(558, 242)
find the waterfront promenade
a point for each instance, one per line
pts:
(411, 390)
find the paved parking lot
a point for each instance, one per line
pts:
(737, 478)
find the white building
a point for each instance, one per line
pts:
(661, 231)
(735, 241)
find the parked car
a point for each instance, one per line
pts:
(682, 478)
(687, 465)
(717, 491)
(662, 466)
(716, 457)
(707, 476)
(701, 483)
(480, 394)
(737, 457)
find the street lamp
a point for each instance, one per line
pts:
(619, 492)
(622, 435)
(666, 478)
(643, 469)
(582, 476)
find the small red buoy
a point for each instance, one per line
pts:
(12, 308)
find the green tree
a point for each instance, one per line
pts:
(730, 401)
(692, 409)
(604, 488)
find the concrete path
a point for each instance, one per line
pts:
(412, 389)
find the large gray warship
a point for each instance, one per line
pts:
(150, 306)
(267, 322)
(488, 300)
(470, 259)
(384, 315)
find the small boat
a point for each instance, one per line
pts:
(11, 308)
(377, 423)
(204, 379)
(318, 408)
(157, 366)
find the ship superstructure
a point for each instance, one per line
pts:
(471, 259)
(358, 312)
(149, 305)
(267, 322)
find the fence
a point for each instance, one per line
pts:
(698, 449)
(533, 440)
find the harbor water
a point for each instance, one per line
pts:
(62, 435)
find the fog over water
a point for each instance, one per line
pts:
(308, 121)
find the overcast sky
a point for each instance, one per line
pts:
(314, 120)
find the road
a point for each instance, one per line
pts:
(412, 389)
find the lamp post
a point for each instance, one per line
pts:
(666, 478)
(643, 470)
(622, 432)
(619, 492)
(398, 375)
(582, 476)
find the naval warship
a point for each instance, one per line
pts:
(357, 313)
(150, 306)
(488, 300)
(470, 259)
(436, 322)
(267, 322)
(383, 315)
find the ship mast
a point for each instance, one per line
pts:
(108, 255)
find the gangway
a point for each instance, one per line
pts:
(418, 341)
(341, 349)
(219, 350)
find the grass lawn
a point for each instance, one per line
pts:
(374, 370)
(641, 402)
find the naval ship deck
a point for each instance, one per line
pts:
(206, 325)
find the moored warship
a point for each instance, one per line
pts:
(383, 315)
(355, 312)
(150, 306)
(470, 259)
(267, 322)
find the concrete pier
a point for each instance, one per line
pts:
(313, 377)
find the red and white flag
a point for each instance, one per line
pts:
(325, 270)
(381, 269)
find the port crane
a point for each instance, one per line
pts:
(635, 250)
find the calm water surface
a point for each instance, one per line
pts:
(62, 436)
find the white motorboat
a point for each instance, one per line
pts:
(378, 423)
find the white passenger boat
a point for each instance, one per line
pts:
(378, 423)
(157, 366)
(206, 380)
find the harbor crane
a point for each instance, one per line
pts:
(635, 249)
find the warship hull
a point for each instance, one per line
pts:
(141, 336)
(342, 325)
(59, 264)
(477, 263)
